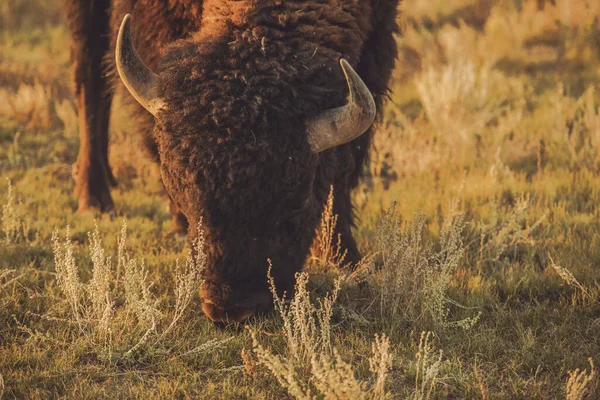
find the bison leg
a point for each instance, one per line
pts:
(88, 23)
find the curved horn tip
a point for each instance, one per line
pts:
(341, 125)
(358, 87)
(343, 63)
(135, 74)
(124, 29)
(126, 19)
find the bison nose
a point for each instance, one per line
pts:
(228, 316)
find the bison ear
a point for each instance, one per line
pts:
(340, 125)
(137, 77)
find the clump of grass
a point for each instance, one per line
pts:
(311, 366)
(503, 236)
(68, 116)
(5, 277)
(581, 292)
(480, 382)
(579, 382)
(121, 331)
(307, 329)
(30, 105)
(326, 251)
(505, 232)
(188, 279)
(15, 224)
(461, 99)
(415, 274)
(428, 363)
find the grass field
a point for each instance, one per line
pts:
(480, 216)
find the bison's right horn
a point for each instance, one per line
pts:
(341, 125)
(137, 77)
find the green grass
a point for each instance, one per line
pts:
(499, 112)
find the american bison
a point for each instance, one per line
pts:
(245, 106)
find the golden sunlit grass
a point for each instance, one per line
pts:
(492, 295)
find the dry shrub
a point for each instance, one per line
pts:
(311, 367)
(500, 237)
(65, 111)
(578, 125)
(506, 232)
(120, 331)
(5, 277)
(415, 274)
(461, 99)
(579, 382)
(428, 363)
(31, 105)
(582, 294)
(326, 251)
(15, 223)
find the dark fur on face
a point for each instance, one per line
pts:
(239, 86)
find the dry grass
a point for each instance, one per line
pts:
(121, 332)
(327, 252)
(579, 382)
(415, 275)
(461, 99)
(428, 363)
(582, 294)
(31, 105)
(65, 111)
(497, 98)
(15, 223)
(311, 367)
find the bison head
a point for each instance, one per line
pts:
(238, 154)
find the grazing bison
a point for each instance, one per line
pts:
(245, 107)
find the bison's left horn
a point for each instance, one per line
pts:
(343, 124)
(137, 77)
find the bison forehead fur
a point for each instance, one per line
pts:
(239, 79)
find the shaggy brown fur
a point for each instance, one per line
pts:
(240, 78)
(88, 24)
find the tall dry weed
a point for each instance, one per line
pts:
(428, 363)
(311, 367)
(416, 274)
(16, 225)
(137, 322)
(582, 294)
(506, 231)
(578, 384)
(6, 279)
(326, 251)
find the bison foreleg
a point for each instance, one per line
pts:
(88, 23)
